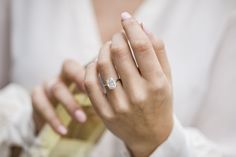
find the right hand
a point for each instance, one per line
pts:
(47, 95)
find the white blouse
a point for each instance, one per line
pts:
(199, 45)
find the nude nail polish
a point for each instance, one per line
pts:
(125, 16)
(80, 116)
(62, 130)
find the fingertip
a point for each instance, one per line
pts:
(80, 116)
(62, 130)
(145, 29)
(125, 16)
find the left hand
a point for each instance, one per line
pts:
(139, 109)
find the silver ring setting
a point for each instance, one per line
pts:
(111, 83)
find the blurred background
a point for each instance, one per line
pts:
(36, 36)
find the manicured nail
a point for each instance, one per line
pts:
(62, 130)
(80, 116)
(125, 16)
(145, 29)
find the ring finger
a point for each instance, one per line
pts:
(115, 96)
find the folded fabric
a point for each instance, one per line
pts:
(16, 127)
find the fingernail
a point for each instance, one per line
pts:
(62, 130)
(145, 29)
(80, 116)
(125, 16)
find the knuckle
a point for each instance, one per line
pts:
(109, 117)
(89, 84)
(118, 51)
(67, 64)
(138, 98)
(78, 77)
(70, 69)
(158, 44)
(47, 85)
(102, 64)
(131, 22)
(121, 107)
(121, 110)
(105, 47)
(56, 87)
(159, 85)
(161, 90)
(141, 45)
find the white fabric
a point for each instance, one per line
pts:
(15, 118)
(45, 32)
(186, 142)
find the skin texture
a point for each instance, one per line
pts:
(141, 106)
(46, 95)
(139, 109)
(56, 90)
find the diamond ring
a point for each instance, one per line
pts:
(111, 83)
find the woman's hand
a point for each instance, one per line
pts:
(139, 109)
(50, 93)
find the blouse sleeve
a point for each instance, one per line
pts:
(186, 142)
(16, 126)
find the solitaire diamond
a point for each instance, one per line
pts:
(111, 83)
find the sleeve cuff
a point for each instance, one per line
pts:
(16, 111)
(175, 145)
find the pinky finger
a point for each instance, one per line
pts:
(42, 105)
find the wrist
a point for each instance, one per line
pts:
(141, 151)
(145, 148)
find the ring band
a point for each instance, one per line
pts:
(111, 83)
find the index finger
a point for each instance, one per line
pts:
(142, 47)
(71, 72)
